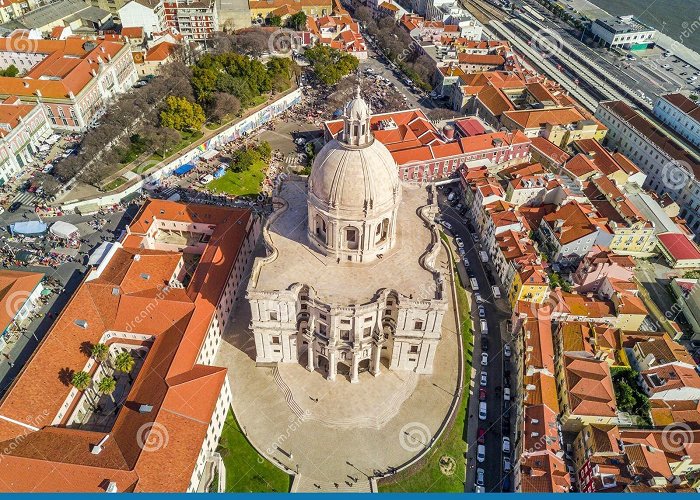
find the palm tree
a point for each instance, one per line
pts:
(124, 363)
(106, 385)
(81, 380)
(99, 352)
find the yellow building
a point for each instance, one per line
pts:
(261, 9)
(630, 310)
(561, 126)
(530, 284)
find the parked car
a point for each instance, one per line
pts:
(482, 394)
(482, 410)
(478, 298)
(481, 453)
(506, 464)
(484, 359)
(484, 327)
(506, 350)
(483, 379)
(506, 394)
(459, 242)
(480, 477)
(482, 311)
(484, 341)
(481, 435)
(446, 225)
(506, 444)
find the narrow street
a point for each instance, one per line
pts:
(496, 314)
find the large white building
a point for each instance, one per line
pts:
(347, 285)
(670, 168)
(623, 32)
(681, 114)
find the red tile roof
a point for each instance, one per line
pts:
(680, 246)
(120, 297)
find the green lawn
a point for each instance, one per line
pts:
(145, 166)
(453, 443)
(111, 186)
(246, 470)
(239, 184)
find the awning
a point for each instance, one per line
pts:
(220, 171)
(46, 291)
(183, 169)
(99, 253)
(208, 155)
(64, 230)
(30, 227)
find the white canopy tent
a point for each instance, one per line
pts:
(208, 155)
(64, 230)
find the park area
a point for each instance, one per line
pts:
(246, 470)
(246, 183)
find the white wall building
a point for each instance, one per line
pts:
(681, 114)
(623, 31)
(146, 14)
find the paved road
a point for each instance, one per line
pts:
(497, 313)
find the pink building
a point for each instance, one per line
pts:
(599, 264)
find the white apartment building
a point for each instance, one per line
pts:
(146, 14)
(681, 114)
(23, 127)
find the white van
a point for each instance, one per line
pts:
(496, 292)
(474, 284)
(484, 257)
(206, 179)
(484, 327)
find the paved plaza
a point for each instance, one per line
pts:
(333, 431)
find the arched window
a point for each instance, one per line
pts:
(321, 228)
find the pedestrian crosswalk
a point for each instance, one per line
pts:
(25, 198)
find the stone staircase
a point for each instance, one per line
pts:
(390, 407)
(304, 484)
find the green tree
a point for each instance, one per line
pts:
(107, 385)
(330, 65)
(182, 114)
(297, 21)
(265, 150)
(205, 81)
(99, 352)
(10, 71)
(81, 380)
(274, 20)
(124, 363)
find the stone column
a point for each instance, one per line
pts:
(355, 377)
(310, 356)
(332, 365)
(377, 360)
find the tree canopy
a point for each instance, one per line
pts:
(330, 65)
(182, 114)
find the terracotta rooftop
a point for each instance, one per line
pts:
(119, 297)
(550, 150)
(15, 289)
(589, 385)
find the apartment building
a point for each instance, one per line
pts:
(196, 20)
(625, 32)
(261, 9)
(681, 114)
(12, 9)
(569, 233)
(670, 168)
(23, 127)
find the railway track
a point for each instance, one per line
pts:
(484, 12)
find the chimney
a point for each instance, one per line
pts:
(97, 449)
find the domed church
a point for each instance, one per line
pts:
(354, 192)
(347, 283)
